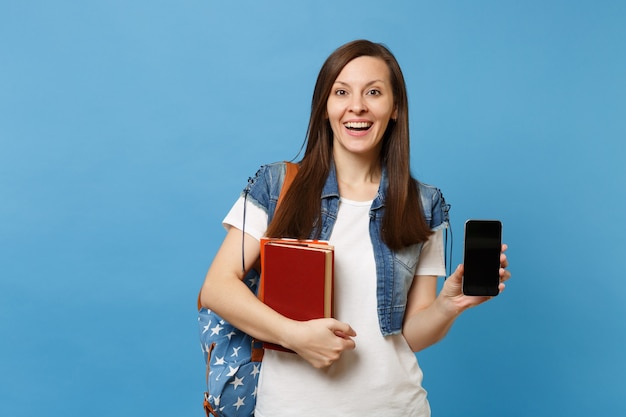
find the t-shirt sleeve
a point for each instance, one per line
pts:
(246, 216)
(432, 261)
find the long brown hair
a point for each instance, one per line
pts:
(300, 212)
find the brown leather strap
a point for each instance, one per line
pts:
(208, 408)
(256, 351)
(290, 174)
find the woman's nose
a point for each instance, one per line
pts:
(358, 105)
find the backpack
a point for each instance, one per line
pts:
(233, 358)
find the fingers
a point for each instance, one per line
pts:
(342, 329)
(345, 332)
(321, 342)
(504, 263)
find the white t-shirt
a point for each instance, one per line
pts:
(381, 376)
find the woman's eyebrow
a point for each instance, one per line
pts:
(367, 84)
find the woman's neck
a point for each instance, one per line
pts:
(358, 178)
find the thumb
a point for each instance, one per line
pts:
(342, 329)
(452, 285)
(457, 275)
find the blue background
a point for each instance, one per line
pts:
(127, 129)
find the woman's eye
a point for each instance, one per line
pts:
(374, 92)
(340, 92)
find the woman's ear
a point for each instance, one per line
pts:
(394, 115)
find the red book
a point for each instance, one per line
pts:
(297, 279)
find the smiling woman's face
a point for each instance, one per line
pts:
(360, 106)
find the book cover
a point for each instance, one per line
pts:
(297, 279)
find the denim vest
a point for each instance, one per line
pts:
(394, 270)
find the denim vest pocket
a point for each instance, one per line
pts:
(405, 264)
(407, 257)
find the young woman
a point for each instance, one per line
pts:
(353, 188)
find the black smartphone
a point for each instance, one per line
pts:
(481, 257)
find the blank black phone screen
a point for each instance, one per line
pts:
(481, 257)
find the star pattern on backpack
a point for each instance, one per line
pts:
(231, 373)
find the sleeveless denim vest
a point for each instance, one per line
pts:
(394, 270)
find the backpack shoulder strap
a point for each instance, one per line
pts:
(290, 174)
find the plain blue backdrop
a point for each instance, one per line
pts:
(127, 129)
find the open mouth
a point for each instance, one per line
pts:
(358, 126)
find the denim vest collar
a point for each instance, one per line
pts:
(331, 187)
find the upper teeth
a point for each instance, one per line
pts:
(358, 125)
